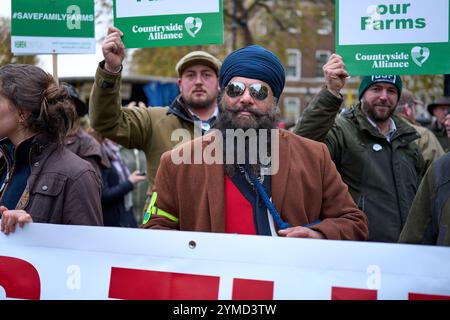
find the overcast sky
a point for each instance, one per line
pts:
(68, 64)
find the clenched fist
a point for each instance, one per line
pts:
(113, 50)
(335, 74)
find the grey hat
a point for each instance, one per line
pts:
(442, 101)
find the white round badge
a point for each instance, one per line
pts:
(377, 147)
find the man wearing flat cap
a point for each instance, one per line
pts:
(372, 148)
(439, 109)
(263, 180)
(151, 129)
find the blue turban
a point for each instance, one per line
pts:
(254, 62)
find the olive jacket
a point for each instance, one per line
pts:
(382, 176)
(153, 130)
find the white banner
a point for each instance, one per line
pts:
(45, 261)
(42, 45)
(382, 22)
(139, 8)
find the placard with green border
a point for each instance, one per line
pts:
(393, 37)
(49, 26)
(160, 23)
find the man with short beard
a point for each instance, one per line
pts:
(373, 150)
(151, 129)
(264, 181)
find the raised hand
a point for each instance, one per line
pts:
(113, 50)
(335, 74)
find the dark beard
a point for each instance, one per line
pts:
(229, 118)
(199, 105)
(252, 168)
(251, 126)
(374, 115)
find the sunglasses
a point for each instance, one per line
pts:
(256, 90)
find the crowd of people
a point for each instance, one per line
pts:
(216, 159)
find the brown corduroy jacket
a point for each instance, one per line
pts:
(306, 187)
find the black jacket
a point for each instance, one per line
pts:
(113, 200)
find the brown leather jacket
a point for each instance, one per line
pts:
(62, 188)
(86, 147)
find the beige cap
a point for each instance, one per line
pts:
(408, 97)
(198, 57)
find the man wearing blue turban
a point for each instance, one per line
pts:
(269, 181)
(254, 62)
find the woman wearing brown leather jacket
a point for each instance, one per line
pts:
(40, 180)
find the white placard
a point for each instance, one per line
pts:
(139, 8)
(407, 21)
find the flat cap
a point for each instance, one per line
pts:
(198, 57)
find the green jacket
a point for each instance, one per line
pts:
(429, 219)
(146, 129)
(382, 177)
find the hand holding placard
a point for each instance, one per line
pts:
(335, 74)
(113, 50)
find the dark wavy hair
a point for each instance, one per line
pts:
(37, 96)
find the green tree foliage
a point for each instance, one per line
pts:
(426, 87)
(6, 55)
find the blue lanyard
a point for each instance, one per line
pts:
(274, 213)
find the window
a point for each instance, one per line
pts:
(325, 25)
(293, 21)
(291, 109)
(322, 57)
(261, 26)
(293, 68)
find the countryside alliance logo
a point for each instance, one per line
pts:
(420, 55)
(193, 25)
(398, 60)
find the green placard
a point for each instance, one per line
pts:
(159, 23)
(50, 26)
(393, 37)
